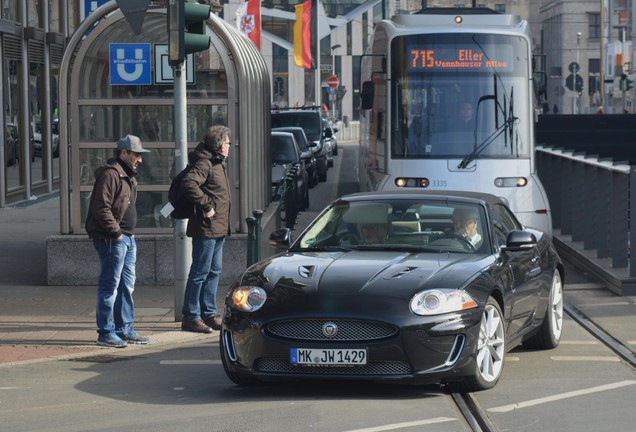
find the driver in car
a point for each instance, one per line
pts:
(372, 233)
(465, 221)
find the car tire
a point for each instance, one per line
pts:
(490, 351)
(335, 150)
(549, 334)
(238, 379)
(322, 177)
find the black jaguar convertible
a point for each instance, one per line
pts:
(423, 287)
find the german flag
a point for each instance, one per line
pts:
(306, 34)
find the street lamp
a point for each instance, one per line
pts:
(333, 58)
(332, 97)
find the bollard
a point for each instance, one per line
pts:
(258, 214)
(291, 206)
(251, 239)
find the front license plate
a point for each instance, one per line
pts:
(327, 357)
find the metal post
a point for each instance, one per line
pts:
(332, 96)
(183, 244)
(258, 215)
(251, 240)
(576, 71)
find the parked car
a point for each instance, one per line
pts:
(11, 146)
(330, 132)
(286, 161)
(330, 143)
(305, 152)
(37, 138)
(419, 304)
(311, 122)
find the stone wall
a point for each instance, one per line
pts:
(72, 260)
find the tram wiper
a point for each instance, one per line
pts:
(486, 142)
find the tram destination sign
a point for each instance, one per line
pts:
(454, 58)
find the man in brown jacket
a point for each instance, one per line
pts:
(110, 223)
(206, 185)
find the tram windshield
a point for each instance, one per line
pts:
(462, 96)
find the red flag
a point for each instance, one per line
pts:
(248, 20)
(305, 34)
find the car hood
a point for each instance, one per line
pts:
(395, 273)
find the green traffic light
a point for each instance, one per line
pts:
(195, 16)
(187, 29)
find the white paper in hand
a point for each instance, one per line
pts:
(166, 210)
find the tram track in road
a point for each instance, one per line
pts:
(612, 343)
(473, 414)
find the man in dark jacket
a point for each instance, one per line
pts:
(110, 223)
(206, 185)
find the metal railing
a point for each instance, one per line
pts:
(592, 200)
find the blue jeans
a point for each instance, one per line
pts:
(203, 280)
(115, 308)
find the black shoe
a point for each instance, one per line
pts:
(214, 322)
(195, 326)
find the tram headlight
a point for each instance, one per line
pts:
(403, 182)
(511, 182)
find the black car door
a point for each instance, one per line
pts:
(525, 269)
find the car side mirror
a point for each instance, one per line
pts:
(281, 238)
(520, 240)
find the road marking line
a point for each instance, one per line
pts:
(593, 305)
(585, 358)
(533, 402)
(190, 362)
(405, 424)
(578, 342)
(584, 286)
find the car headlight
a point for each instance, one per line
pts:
(248, 298)
(441, 301)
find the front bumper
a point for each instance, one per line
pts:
(429, 351)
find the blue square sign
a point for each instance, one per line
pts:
(130, 64)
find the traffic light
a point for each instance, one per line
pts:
(186, 29)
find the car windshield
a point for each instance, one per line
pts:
(309, 121)
(400, 224)
(283, 151)
(299, 134)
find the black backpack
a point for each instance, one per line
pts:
(183, 208)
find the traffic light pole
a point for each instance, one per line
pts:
(183, 244)
(187, 34)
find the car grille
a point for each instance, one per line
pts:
(273, 365)
(348, 330)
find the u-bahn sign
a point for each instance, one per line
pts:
(130, 64)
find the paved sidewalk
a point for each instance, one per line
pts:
(39, 322)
